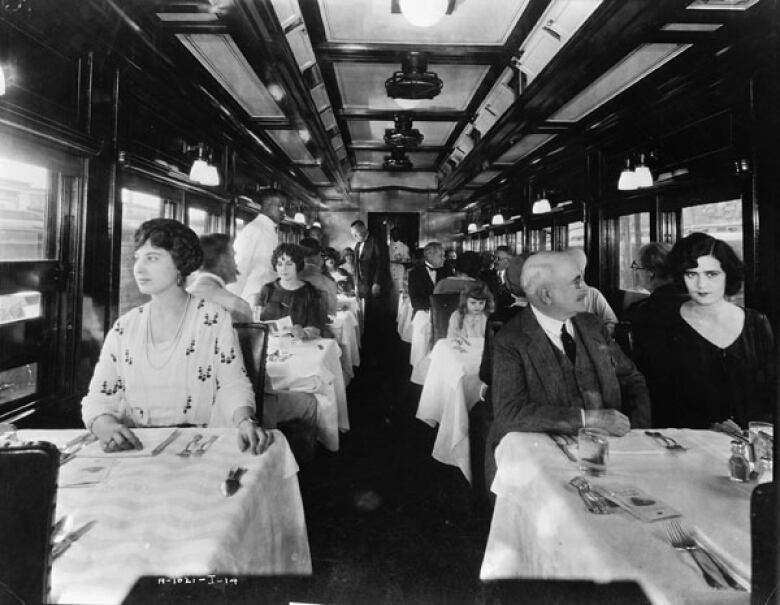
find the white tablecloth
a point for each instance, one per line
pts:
(451, 389)
(314, 367)
(421, 346)
(165, 516)
(540, 528)
(404, 318)
(352, 303)
(346, 329)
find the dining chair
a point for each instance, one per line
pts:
(28, 489)
(253, 338)
(765, 548)
(442, 307)
(624, 337)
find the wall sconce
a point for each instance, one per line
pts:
(638, 178)
(627, 180)
(299, 216)
(203, 171)
(541, 205)
(498, 219)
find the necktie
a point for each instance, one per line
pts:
(569, 346)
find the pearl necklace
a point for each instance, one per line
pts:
(169, 348)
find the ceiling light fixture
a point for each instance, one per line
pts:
(414, 81)
(472, 227)
(299, 218)
(627, 180)
(203, 172)
(424, 13)
(642, 175)
(541, 205)
(403, 135)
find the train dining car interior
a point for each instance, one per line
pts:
(387, 210)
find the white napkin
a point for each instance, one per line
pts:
(83, 472)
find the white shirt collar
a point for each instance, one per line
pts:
(552, 327)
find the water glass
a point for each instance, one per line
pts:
(761, 446)
(256, 311)
(593, 450)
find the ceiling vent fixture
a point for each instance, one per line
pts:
(397, 160)
(413, 81)
(403, 135)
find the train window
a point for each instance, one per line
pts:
(19, 306)
(18, 382)
(198, 220)
(24, 208)
(576, 235)
(633, 232)
(540, 239)
(137, 207)
(722, 220)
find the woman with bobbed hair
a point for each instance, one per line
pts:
(289, 295)
(174, 360)
(348, 260)
(343, 279)
(714, 360)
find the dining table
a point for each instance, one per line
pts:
(140, 514)
(312, 366)
(451, 387)
(346, 330)
(541, 528)
(403, 317)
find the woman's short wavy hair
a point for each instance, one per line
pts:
(686, 252)
(293, 251)
(332, 254)
(655, 257)
(179, 240)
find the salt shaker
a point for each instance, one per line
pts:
(739, 465)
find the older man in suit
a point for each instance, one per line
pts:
(372, 278)
(555, 368)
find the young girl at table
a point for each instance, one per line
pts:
(289, 295)
(469, 321)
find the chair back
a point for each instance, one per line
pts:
(442, 306)
(624, 337)
(253, 338)
(28, 488)
(765, 548)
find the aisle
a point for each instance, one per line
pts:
(386, 522)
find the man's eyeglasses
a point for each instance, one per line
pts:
(637, 267)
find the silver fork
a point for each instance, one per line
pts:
(682, 541)
(688, 538)
(667, 442)
(593, 502)
(204, 445)
(188, 449)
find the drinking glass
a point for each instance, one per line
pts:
(593, 450)
(256, 311)
(761, 446)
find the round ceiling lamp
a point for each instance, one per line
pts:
(423, 13)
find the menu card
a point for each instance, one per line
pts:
(640, 504)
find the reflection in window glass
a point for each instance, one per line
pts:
(18, 382)
(197, 220)
(24, 192)
(19, 306)
(633, 232)
(722, 220)
(137, 207)
(576, 237)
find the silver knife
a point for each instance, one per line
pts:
(721, 568)
(64, 544)
(168, 440)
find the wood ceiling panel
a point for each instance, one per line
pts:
(362, 86)
(373, 23)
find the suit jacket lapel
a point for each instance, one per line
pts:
(598, 349)
(541, 355)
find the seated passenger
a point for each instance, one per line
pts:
(312, 272)
(714, 360)
(348, 260)
(594, 300)
(554, 368)
(421, 281)
(174, 360)
(290, 296)
(467, 268)
(651, 314)
(345, 284)
(218, 270)
(470, 319)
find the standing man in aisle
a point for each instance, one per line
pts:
(255, 244)
(372, 277)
